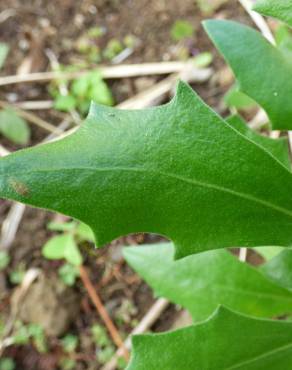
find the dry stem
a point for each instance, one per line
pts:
(103, 312)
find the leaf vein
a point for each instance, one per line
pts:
(260, 357)
(176, 177)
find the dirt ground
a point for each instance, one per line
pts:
(32, 28)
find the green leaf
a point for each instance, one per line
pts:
(13, 127)
(269, 82)
(277, 147)
(279, 269)
(7, 363)
(55, 247)
(65, 103)
(4, 259)
(99, 91)
(16, 276)
(235, 98)
(268, 252)
(100, 336)
(96, 32)
(84, 233)
(113, 48)
(67, 363)
(62, 226)
(105, 354)
(203, 281)
(283, 37)
(203, 60)
(280, 9)
(36, 332)
(68, 274)
(72, 253)
(4, 49)
(80, 86)
(208, 7)
(178, 170)
(69, 343)
(225, 341)
(181, 30)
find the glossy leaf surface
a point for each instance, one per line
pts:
(279, 269)
(203, 281)
(277, 147)
(223, 342)
(263, 72)
(178, 170)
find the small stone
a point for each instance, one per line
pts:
(50, 304)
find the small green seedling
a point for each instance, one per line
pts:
(17, 274)
(235, 98)
(83, 90)
(182, 29)
(69, 343)
(105, 354)
(14, 127)
(68, 273)
(126, 311)
(208, 7)
(99, 336)
(7, 363)
(4, 260)
(96, 32)
(65, 246)
(113, 48)
(23, 334)
(104, 347)
(67, 363)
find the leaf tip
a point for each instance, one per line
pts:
(185, 94)
(206, 23)
(210, 24)
(182, 87)
(97, 110)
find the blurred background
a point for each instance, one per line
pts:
(55, 57)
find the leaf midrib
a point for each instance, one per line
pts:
(253, 293)
(260, 357)
(171, 175)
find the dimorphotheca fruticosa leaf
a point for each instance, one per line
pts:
(225, 341)
(201, 282)
(263, 71)
(280, 9)
(178, 170)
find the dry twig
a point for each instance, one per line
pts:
(103, 312)
(111, 72)
(148, 320)
(34, 104)
(258, 20)
(29, 277)
(155, 94)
